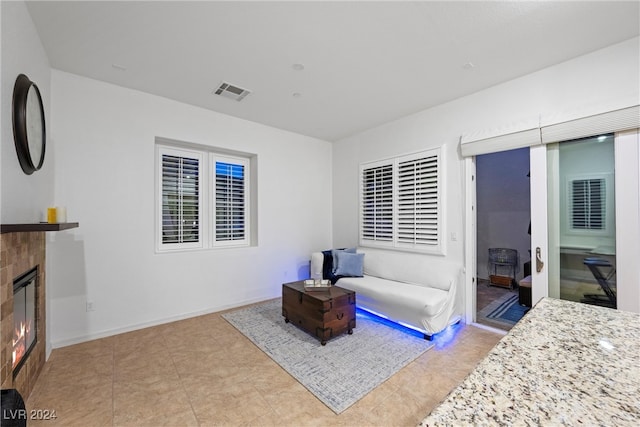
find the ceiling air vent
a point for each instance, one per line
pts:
(232, 92)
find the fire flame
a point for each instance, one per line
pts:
(19, 341)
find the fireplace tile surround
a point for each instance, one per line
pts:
(19, 253)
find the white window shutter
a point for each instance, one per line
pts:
(588, 204)
(231, 211)
(180, 194)
(376, 222)
(418, 191)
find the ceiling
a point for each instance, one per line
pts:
(364, 63)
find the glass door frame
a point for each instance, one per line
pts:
(539, 223)
(627, 207)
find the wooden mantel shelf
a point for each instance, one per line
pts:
(38, 226)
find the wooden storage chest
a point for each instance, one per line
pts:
(324, 314)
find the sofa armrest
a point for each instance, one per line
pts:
(317, 260)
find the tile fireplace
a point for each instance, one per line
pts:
(24, 317)
(22, 263)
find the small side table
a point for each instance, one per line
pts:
(324, 314)
(524, 298)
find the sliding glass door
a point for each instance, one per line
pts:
(585, 206)
(584, 216)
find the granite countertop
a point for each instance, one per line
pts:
(564, 363)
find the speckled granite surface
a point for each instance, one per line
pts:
(564, 363)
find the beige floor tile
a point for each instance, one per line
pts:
(228, 402)
(147, 344)
(205, 363)
(171, 418)
(134, 366)
(97, 416)
(189, 339)
(202, 371)
(85, 401)
(269, 377)
(399, 409)
(152, 398)
(78, 366)
(296, 402)
(267, 419)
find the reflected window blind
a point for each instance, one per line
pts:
(588, 209)
(180, 199)
(417, 216)
(377, 203)
(230, 202)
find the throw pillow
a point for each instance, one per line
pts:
(327, 264)
(349, 264)
(335, 258)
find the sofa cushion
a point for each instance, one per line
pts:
(349, 265)
(407, 267)
(396, 298)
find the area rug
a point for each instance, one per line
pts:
(346, 368)
(505, 309)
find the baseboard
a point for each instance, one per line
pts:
(90, 337)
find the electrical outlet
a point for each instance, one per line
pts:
(90, 306)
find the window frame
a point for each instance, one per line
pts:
(397, 241)
(207, 201)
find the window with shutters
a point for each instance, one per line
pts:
(203, 199)
(400, 204)
(588, 203)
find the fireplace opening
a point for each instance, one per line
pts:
(24, 317)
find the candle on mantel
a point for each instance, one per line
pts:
(61, 214)
(51, 215)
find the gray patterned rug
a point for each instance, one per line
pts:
(341, 372)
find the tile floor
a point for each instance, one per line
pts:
(202, 371)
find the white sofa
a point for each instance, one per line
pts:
(411, 289)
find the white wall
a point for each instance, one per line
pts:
(24, 197)
(104, 145)
(604, 77)
(503, 207)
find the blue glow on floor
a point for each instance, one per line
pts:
(447, 338)
(441, 340)
(380, 319)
